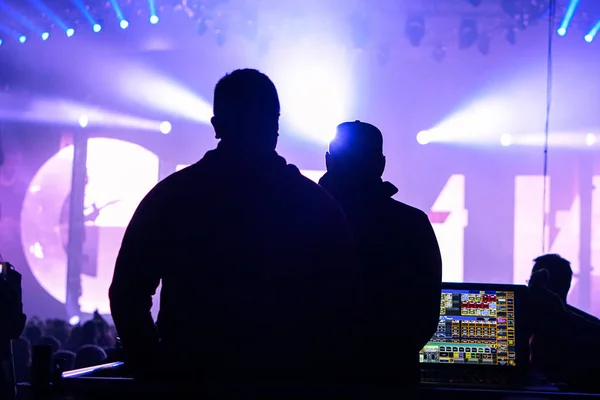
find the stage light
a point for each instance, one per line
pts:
(0, 42)
(590, 139)
(70, 32)
(18, 15)
(22, 38)
(74, 320)
(165, 127)
(97, 28)
(564, 25)
(424, 137)
(45, 35)
(152, 9)
(506, 140)
(123, 23)
(87, 14)
(83, 121)
(593, 32)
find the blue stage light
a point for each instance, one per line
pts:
(22, 38)
(45, 35)
(592, 33)
(124, 24)
(564, 25)
(97, 28)
(154, 19)
(70, 32)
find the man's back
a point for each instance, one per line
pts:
(256, 265)
(401, 267)
(400, 258)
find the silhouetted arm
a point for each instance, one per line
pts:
(428, 267)
(136, 278)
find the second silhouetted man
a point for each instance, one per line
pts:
(400, 258)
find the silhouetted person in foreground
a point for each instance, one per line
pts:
(256, 261)
(560, 332)
(400, 257)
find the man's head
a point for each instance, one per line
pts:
(246, 109)
(356, 150)
(559, 273)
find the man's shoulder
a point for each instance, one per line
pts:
(173, 186)
(406, 211)
(308, 187)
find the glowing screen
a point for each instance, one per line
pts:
(475, 327)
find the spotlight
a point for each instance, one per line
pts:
(45, 35)
(124, 24)
(423, 137)
(74, 320)
(590, 139)
(153, 19)
(97, 28)
(506, 140)
(70, 32)
(22, 38)
(83, 121)
(415, 30)
(0, 42)
(165, 127)
(467, 33)
(562, 31)
(592, 33)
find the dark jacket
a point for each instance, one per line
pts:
(402, 270)
(258, 269)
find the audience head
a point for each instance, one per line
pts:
(356, 150)
(88, 356)
(50, 341)
(246, 110)
(90, 332)
(559, 271)
(33, 333)
(22, 351)
(75, 338)
(64, 359)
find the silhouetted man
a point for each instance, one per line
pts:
(256, 261)
(558, 329)
(400, 257)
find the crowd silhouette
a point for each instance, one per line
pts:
(270, 279)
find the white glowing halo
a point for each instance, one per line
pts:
(119, 176)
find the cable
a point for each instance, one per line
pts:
(551, 26)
